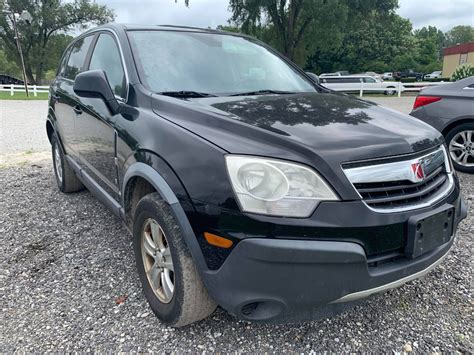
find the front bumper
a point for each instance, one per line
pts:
(268, 279)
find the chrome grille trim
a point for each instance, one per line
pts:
(396, 177)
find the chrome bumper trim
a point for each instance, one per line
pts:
(366, 293)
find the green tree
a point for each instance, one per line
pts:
(49, 18)
(429, 42)
(373, 39)
(294, 27)
(7, 66)
(234, 29)
(459, 34)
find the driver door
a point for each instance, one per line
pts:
(96, 136)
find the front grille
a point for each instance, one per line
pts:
(395, 194)
(395, 186)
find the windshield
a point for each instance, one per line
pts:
(217, 64)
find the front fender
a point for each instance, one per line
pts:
(168, 191)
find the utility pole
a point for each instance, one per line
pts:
(18, 44)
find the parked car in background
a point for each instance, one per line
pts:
(6, 79)
(352, 83)
(244, 183)
(433, 75)
(325, 75)
(387, 76)
(450, 109)
(408, 74)
(338, 73)
(373, 74)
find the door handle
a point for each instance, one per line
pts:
(77, 110)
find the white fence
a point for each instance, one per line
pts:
(386, 86)
(32, 89)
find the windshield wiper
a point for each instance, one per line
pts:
(186, 94)
(263, 92)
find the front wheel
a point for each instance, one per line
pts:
(169, 277)
(460, 142)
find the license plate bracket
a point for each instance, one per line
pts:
(428, 231)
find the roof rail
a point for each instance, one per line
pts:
(191, 28)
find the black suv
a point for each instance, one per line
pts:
(244, 183)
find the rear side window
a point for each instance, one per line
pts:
(62, 65)
(75, 64)
(107, 57)
(353, 80)
(331, 80)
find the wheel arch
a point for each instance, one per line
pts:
(456, 122)
(49, 129)
(51, 125)
(152, 181)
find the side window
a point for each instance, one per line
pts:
(106, 56)
(369, 80)
(62, 65)
(75, 64)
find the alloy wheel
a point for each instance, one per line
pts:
(57, 163)
(157, 260)
(461, 148)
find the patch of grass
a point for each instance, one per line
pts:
(28, 152)
(4, 95)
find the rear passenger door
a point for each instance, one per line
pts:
(95, 131)
(64, 98)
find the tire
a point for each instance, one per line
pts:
(189, 302)
(460, 141)
(65, 177)
(390, 92)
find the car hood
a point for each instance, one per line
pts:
(322, 130)
(334, 127)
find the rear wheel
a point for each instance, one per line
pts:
(391, 91)
(65, 177)
(460, 141)
(169, 277)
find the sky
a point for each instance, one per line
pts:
(444, 14)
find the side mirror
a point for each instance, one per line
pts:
(94, 83)
(313, 76)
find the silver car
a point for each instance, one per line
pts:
(433, 75)
(450, 109)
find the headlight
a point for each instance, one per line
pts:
(276, 188)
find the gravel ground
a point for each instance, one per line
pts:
(66, 262)
(68, 282)
(22, 126)
(403, 104)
